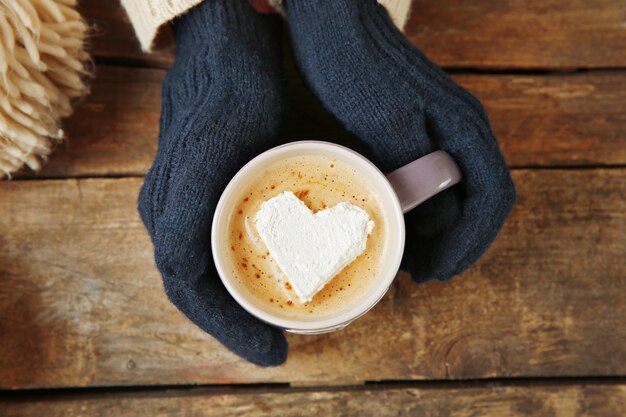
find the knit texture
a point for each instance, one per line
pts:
(402, 106)
(221, 107)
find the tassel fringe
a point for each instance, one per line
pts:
(43, 68)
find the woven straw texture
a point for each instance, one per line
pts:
(42, 70)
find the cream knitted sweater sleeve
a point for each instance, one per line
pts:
(147, 16)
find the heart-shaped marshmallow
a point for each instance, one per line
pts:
(311, 248)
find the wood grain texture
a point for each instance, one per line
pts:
(114, 131)
(497, 401)
(113, 37)
(572, 120)
(81, 303)
(520, 34)
(475, 33)
(575, 120)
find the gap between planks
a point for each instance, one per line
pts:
(179, 390)
(450, 69)
(142, 175)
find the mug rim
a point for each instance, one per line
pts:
(386, 277)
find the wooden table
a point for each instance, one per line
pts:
(537, 327)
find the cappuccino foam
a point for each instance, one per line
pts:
(319, 182)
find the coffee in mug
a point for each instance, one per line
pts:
(308, 236)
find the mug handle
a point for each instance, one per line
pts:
(421, 179)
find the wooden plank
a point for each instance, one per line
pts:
(113, 38)
(82, 305)
(476, 33)
(114, 131)
(575, 119)
(511, 401)
(572, 120)
(520, 33)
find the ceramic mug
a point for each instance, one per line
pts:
(398, 192)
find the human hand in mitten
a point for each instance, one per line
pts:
(402, 106)
(221, 107)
